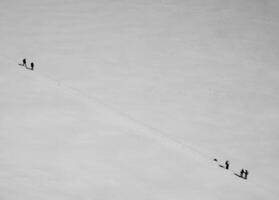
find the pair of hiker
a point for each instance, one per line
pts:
(25, 65)
(244, 172)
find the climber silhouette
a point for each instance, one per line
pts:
(245, 174)
(24, 62)
(227, 164)
(32, 66)
(241, 173)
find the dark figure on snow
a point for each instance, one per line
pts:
(227, 164)
(245, 174)
(241, 173)
(32, 66)
(24, 62)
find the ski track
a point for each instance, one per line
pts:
(144, 129)
(235, 34)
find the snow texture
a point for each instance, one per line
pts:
(134, 99)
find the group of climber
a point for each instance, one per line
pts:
(243, 173)
(24, 63)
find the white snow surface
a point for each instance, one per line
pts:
(133, 99)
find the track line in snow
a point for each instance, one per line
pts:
(148, 131)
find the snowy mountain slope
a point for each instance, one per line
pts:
(202, 73)
(59, 145)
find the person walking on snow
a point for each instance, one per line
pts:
(245, 174)
(227, 164)
(241, 173)
(24, 62)
(32, 66)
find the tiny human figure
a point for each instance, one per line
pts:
(241, 173)
(32, 66)
(24, 62)
(245, 174)
(227, 164)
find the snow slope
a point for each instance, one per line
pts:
(58, 144)
(181, 81)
